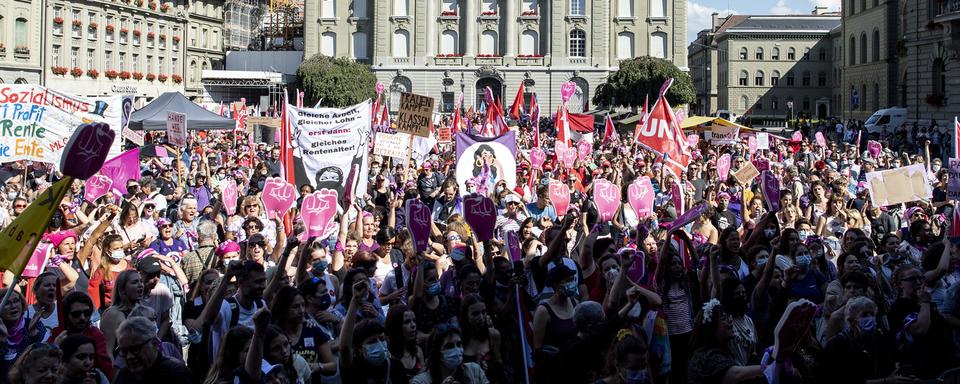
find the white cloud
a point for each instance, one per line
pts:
(782, 9)
(699, 17)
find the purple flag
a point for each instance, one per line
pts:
(124, 167)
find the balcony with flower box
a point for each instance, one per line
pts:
(21, 52)
(529, 15)
(449, 15)
(489, 15)
(533, 60)
(489, 59)
(455, 59)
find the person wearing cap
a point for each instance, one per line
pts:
(139, 344)
(156, 294)
(511, 217)
(722, 217)
(428, 183)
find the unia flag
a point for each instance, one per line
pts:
(662, 134)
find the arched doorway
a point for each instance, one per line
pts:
(399, 85)
(580, 101)
(496, 86)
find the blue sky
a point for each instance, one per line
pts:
(698, 11)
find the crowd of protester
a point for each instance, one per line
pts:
(161, 285)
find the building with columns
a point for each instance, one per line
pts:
(21, 36)
(442, 48)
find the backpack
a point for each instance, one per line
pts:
(235, 309)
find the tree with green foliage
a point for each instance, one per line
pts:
(643, 76)
(337, 82)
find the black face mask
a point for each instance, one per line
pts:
(737, 305)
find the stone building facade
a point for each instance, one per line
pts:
(929, 72)
(869, 75)
(21, 36)
(442, 48)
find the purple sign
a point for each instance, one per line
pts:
(481, 214)
(419, 224)
(87, 150)
(513, 246)
(771, 190)
(688, 217)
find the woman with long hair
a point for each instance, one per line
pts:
(818, 202)
(113, 260)
(833, 223)
(364, 353)
(21, 330)
(445, 360)
(79, 354)
(132, 229)
(276, 351)
(627, 360)
(127, 293)
(406, 358)
(730, 253)
(481, 340)
(712, 361)
(230, 355)
(808, 282)
(680, 290)
(703, 230)
(306, 340)
(44, 305)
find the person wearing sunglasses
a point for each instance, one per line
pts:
(916, 320)
(165, 242)
(138, 344)
(79, 309)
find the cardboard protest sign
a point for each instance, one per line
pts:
(752, 144)
(176, 129)
(770, 186)
(419, 223)
(638, 269)
(416, 114)
(723, 135)
(229, 194)
(899, 185)
(723, 166)
(821, 141)
(747, 173)
(38, 261)
(444, 135)
(96, 186)
(607, 197)
(481, 213)
(688, 217)
(393, 145)
(537, 158)
(278, 196)
(640, 195)
(953, 179)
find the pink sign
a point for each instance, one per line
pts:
(688, 217)
(607, 197)
(565, 154)
(820, 140)
(86, 151)
(693, 140)
(537, 158)
(676, 195)
(278, 196)
(228, 191)
(418, 223)
(567, 90)
(771, 190)
(793, 327)
(638, 269)
(723, 166)
(752, 144)
(640, 195)
(38, 260)
(379, 87)
(584, 149)
(481, 213)
(96, 186)
(318, 210)
(559, 196)
(874, 148)
(797, 136)
(762, 164)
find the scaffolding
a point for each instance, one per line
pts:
(264, 25)
(283, 27)
(242, 25)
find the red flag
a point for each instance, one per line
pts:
(457, 118)
(375, 110)
(662, 134)
(495, 124)
(384, 117)
(609, 131)
(563, 125)
(517, 109)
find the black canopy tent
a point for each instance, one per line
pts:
(153, 116)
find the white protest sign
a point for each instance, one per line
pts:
(391, 145)
(763, 140)
(332, 143)
(721, 135)
(176, 129)
(953, 180)
(137, 137)
(899, 185)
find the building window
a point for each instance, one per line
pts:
(577, 8)
(625, 8)
(822, 79)
(91, 61)
(744, 78)
(20, 32)
(658, 8)
(939, 77)
(76, 30)
(488, 43)
(806, 79)
(75, 57)
(400, 8)
(57, 27)
(806, 53)
(625, 45)
(328, 9)
(447, 102)
(360, 46)
(122, 61)
(360, 9)
(91, 20)
(448, 43)
(775, 78)
(55, 55)
(488, 7)
(759, 53)
(790, 80)
(876, 96)
(791, 53)
(822, 54)
(759, 103)
(806, 103)
(876, 45)
(529, 6)
(853, 50)
(448, 7)
(328, 44)
(863, 48)
(758, 78)
(658, 45)
(192, 74)
(578, 43)
(528, 43)
(107, 60)
(136, 62)
(203, 38)
(401, 43)
(149, 64)
(774, 103)
(744, 101)
(743, 53)
(776, 54)
(193, 36)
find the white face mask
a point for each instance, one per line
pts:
(117, 255)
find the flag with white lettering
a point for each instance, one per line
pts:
(662, 134)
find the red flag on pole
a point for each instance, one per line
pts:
(563, 125)
(457, 117)
(517, 109)
(609, 130)
(662, 134)
(643, 117)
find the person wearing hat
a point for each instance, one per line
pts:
(165, 242)
(723, 217)
(158, 294)
(512, 216)
(428, 184)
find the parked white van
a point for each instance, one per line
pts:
(886, 120)
(726, 115)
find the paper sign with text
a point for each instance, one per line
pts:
(176, 129)
(391, 145)
(899, 185)
(747, 173)
(953, 180)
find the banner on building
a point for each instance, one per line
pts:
(899, 185)
(332, 144)
(36, 122)
(415, 115)
(487, 159)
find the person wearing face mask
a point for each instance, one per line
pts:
(364, 355)
(629, 362)
(445, 360)
(553, 323)
(113, 260)
(860, 353)
(808, 283)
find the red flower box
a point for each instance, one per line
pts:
(529, 13)
(488, 13)
(163, 37)
(177, 79)
(161, 77)
(93, 73)
(124, 31)
(531, 56)
(443, 55)
(448, 13)
(93, 25)
(488, 55)
(151, 77)
(139, 3)
(59, 70)
(76, 72)
(176, 39)
(111, 74)
(151, 35)
(58, 20)
(136, 32)
(77, 23)
(138, 75)
(124, 75)
(110, 28)
(165, 7)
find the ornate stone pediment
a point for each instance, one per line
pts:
(489, 71)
